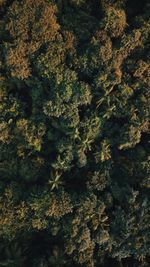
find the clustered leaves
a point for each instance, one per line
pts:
(74, 133)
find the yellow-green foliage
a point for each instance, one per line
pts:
(74, 133)
(114, 21)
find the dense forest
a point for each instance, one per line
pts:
(74, 133)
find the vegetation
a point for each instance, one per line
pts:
(74, 133)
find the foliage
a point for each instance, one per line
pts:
(74, 133)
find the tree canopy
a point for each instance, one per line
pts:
(74, 133)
